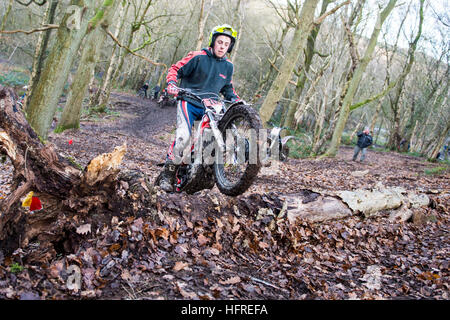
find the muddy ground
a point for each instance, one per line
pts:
(210, 246)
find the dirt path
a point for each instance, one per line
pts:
(210, 246)
(148, 130)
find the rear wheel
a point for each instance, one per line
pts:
(236, 168)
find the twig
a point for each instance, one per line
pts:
(268, 284)
(32, 1)
(326, 14)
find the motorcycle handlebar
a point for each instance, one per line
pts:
(184, 92)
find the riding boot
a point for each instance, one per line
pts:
(167, 179)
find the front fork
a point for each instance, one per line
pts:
(216, 132)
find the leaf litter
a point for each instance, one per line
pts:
(209, 246)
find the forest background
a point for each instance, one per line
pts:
(323, 69)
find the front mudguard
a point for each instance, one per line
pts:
(235, 104)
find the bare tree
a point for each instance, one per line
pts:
(70, 117)
(355, 80)
(303, 27)
(305, 67)
(43, 103)
(201, 23)
(41, 48)
(395, 136)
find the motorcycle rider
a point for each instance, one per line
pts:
(207, 71)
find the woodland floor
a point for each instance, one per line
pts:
(216, 247)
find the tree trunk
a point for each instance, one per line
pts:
(39, 55)
(101, 94)
(296, 48)
(5, 17)
(107, 87)
(268, 76)
(95, 98)
(379, 131)
(70, 118)
(201, 24)
(395, 137)
(309, 54)
(375, 117)
(319, 123)
(43, 103)
(237, 24)
(358, 127)
(437, 144)
(356, 79)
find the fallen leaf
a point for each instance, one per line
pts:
(184, 293)
(163, 233)
(126, 275)
(180, 265)
(202, 240)
(232, 280)
(263, 245)
(84, 229)
(36, 204)
(114, 247)
(27, 201)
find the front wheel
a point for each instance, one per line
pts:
(236, 168)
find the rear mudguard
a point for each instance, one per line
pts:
(273, 138)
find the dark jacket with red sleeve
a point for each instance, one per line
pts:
(202, 72)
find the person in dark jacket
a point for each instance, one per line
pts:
(156, 90)
(208, 71)
(364, 141)
(145, 88)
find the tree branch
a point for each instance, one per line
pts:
(353, 49)
(326, 14)
(39, 3)
(44, 28)
(376, 97)
(132, 51)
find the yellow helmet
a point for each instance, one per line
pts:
(226, 30)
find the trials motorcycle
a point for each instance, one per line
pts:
(226, 147)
